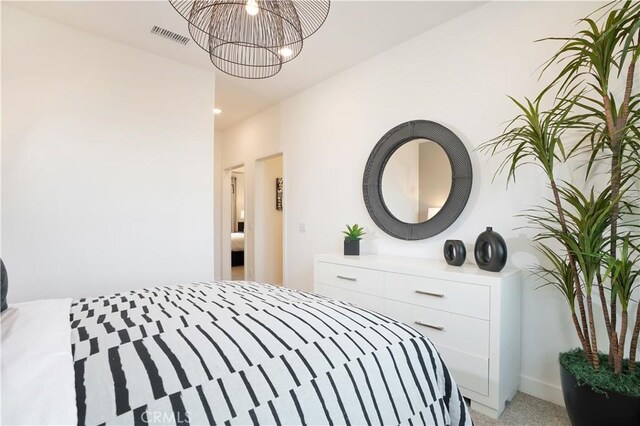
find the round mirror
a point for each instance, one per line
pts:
(416, 181)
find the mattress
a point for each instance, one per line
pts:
(246, 353)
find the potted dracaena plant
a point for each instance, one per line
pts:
(352, 237)
(586, 230)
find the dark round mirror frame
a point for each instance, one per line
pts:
(461, 179)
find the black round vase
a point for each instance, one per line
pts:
(454, 252)
(490, 251)
(588, 408)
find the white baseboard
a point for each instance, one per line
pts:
(542, 390)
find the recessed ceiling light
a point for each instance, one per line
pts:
(217, 111)
(285, 52)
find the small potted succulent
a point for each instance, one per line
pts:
(352, 237)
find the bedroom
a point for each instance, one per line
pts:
(113, 163)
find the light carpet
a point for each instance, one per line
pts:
(526, 410)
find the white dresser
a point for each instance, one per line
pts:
(472, 316)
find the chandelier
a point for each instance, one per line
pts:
(252, 38)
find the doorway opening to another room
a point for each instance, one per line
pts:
(270, 206)
(237, 215)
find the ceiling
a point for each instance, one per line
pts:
(353, 32)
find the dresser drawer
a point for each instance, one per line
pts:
(469, 371)
(350, 278)
(469, 335)
(459, 298)
(361, 300)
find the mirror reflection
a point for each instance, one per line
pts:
(416, 181)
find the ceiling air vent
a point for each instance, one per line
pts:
(162, 32)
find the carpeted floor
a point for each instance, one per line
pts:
(526, 410)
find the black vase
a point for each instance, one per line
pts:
(588, 408)
(490, 251)
(351, 247)
(454, 252)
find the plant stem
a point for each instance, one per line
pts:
(586, 349)
(624, 116)
(583, 333)
(634, 342)
(595, 361)
(613, 343)
(616, 131)
(615, 190)
(617, 363)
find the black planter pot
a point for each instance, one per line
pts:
(352, 247)
(588, 408)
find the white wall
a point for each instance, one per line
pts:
(107, 164)
(1, 134)
(457, 74)
(269, 223)
(255, 139)
(217, 206)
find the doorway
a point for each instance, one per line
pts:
(236, 224)
(269, 219)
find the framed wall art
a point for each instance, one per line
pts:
(279, 193)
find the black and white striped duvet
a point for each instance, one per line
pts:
(247, 353)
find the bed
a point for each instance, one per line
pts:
(237, 249)
(219, 353)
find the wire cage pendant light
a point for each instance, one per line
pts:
(252, 38)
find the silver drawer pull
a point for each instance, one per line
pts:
(346, 278)
(435, 327)
(428, 293)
